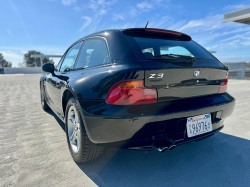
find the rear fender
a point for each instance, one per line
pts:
(66, 95)
(94, 83)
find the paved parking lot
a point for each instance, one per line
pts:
(34, 152)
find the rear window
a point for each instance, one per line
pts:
(150, 47)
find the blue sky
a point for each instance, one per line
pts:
(51, 26)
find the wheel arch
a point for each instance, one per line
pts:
(67, 94)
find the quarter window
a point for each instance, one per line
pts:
(93, 53)
(70, 58)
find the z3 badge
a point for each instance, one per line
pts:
(156, 76)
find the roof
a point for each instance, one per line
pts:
(102, 33)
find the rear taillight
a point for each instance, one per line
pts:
(131, 92)
(223, 85)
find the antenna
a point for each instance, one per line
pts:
(146, 25)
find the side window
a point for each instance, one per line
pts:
(59, 64)
(70, 58)
(93, 53)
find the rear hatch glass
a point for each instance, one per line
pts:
(192, 54)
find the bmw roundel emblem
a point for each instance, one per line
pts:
(196, 73)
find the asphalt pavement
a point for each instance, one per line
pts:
(34, 151)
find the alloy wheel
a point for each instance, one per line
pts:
(74, 133)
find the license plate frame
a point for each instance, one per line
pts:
(198, 125)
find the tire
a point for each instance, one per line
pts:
(85, 150)
(44, 104)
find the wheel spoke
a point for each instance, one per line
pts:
(78, 132)
(72, 118)
(71, 121)
(73, 140)
(76, 119)
(78, 125)
(72, 136)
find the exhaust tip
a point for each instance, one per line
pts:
(161, 149)
(172, 147)
(171, 144)
(162, 145)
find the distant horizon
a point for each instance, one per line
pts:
(51, 26)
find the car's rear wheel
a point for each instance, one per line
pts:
(44, 104)
(80, 146)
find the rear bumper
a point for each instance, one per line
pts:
(143, 129)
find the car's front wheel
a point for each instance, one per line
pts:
(44, 104)
(80, 146)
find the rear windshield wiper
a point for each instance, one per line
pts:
(162, 57)
(184, 56)
(79, 68)
(173, 57)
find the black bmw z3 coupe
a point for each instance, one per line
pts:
(139, 88)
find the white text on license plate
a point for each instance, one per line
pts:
(199, 125)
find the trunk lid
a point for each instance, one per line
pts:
(178, 83)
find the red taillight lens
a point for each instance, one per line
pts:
(223, 85)
(131, 92)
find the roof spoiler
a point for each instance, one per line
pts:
(156, 33)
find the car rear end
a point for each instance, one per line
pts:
(183, 96)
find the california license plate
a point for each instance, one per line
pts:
(199, 125)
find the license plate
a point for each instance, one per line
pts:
(199, 125)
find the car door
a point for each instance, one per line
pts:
(60, 77)
(51, 82)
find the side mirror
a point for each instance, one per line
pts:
(49, 68)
